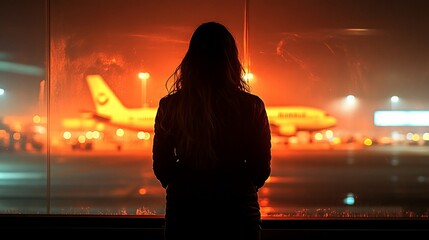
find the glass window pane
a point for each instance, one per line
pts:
(344, 83)
(109, 63)
(23, 105)
(365, 64)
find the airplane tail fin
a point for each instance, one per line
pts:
(106, 102)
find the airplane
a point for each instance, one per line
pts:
(287, 121)
(109, 108)
(284, 121)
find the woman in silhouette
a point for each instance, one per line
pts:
(212, 143)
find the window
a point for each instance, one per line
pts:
(72, 73)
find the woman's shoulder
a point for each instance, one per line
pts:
(251, 98)
(168, 98)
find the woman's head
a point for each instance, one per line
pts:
(207, 79)
(211, 61)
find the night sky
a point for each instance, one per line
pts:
(307, 52)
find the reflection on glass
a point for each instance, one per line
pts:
(23, 108)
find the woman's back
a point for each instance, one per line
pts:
(212, 145)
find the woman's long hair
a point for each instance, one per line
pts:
(209, 75)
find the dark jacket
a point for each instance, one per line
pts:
(229, 191)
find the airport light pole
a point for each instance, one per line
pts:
(144, 76)
(350, 107)
(393, 100)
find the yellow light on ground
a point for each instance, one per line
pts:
(120, 132)
(143, 135)
(426, 136)
(140, 135)
(81, 139)
(67, 135)
(416, 137)
(36, 119)
(329, 134)
(367, 142)
(318, 136)
(89, 135)
(96, 134)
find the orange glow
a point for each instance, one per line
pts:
(143, 75)
(248, 76)
(78, 123)
(16, 136)
(336, 140)
(36, 119)
(17, 127)
(273, 179)
(267, 211)
(385, 140)
(264, 190)
(142, 191)
(264, 201)
(40, 129)
(4, 134)
(293, 140)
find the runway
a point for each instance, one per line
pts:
(382, 181)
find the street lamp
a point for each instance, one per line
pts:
(349, 107)
(248, 77)
(144, 76)
(1, 91)
(393, 100)
(350, 103)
